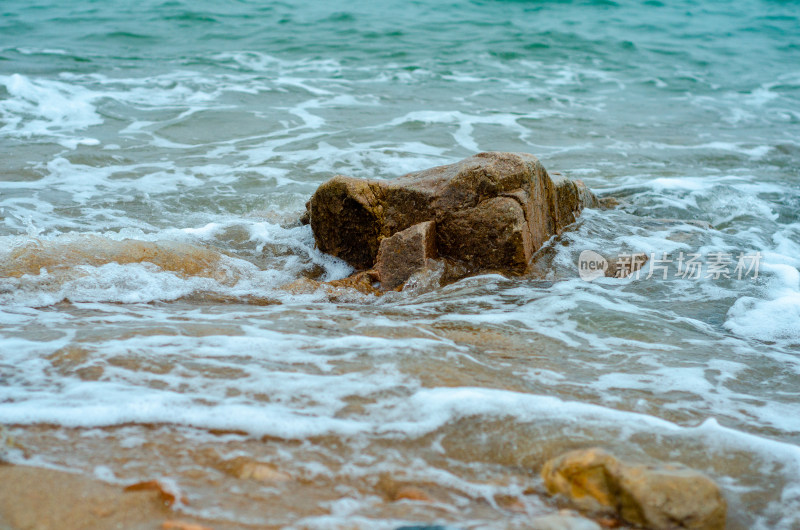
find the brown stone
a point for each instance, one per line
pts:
(168, 497)
(672, 496)
(302, 285)
(663, 497)
(411, 493)
(245, 468)
(405, 253)
(512, 503)
(491, 211)
(396, 489)
(607, 203)
(66, 253)
(363, 282)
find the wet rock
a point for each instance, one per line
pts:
(364, 282)
(65, 254)
(302, 285)
(411, 493)
(394, 489)
(607, 203)
(667, 496)
(404, 253)
(512, 503)
(167, 494)
(491, 211)
(305, 217)
(247, 469)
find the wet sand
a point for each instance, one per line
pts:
(43, 499)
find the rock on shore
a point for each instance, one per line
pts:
(489, 212)
(661, 497)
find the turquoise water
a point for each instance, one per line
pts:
(204, 127)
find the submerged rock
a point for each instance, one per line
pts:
(364, 282)
(489, 212)
(410, 493)
(64, 255)
(245, 468)
(667, 496)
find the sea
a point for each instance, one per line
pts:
(156, 157)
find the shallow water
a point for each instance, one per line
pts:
(157, 157)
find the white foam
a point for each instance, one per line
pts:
(775, 318)
(261, 62)
(754, 152)
(145, 282)
(466, 123)
(112, 282)
(44, 107)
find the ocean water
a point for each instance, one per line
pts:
(156, 156)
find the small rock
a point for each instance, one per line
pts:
(364, 282)
(302, 286)
(609, 203)
(394, 490)
(305, 217)
(512, 503)
(663, 497)
(411, 493)
(244, 468)
(672, 496)
(167, 494)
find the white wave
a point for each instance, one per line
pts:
(466, 123)
(775, 318)
(44, 107)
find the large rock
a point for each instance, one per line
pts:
(663, 497)
(492, 211)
